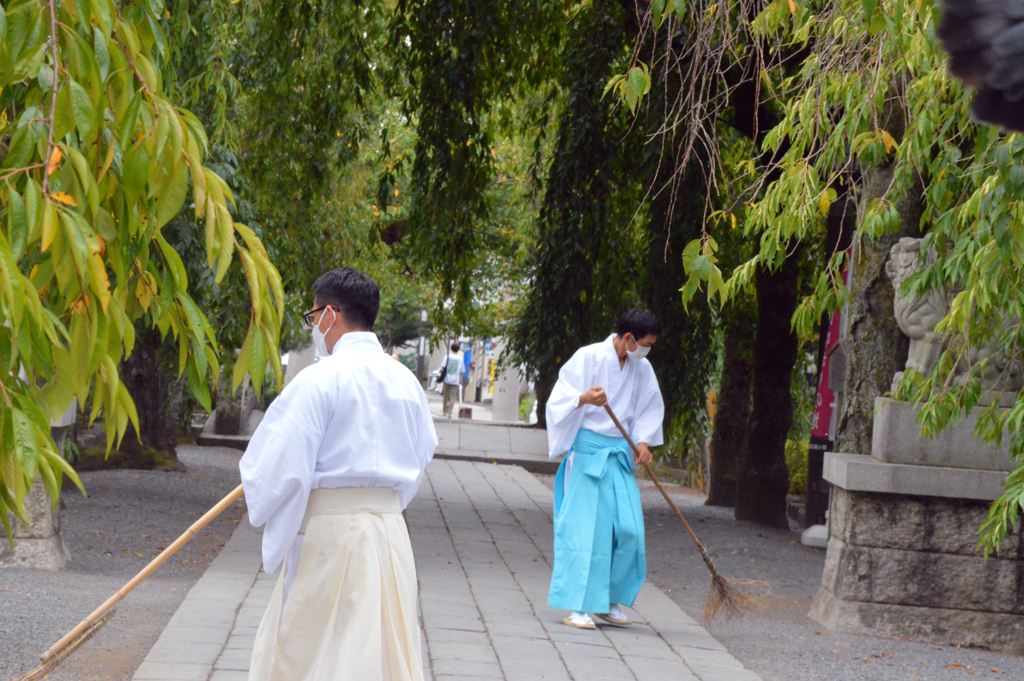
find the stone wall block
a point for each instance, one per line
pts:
(44, 520)
(896, 439)
(997, 631)
(39, 554)
(913, 523)
(932, 580)
(233, 408)
(38, 544)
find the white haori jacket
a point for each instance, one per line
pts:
(633, 394)
(356, 418)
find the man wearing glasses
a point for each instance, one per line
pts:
(337, 457)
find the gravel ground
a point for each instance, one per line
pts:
(128, 517)
(781, 643)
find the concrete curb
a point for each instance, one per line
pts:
(542, 467)
(195, 644)
(507, 424)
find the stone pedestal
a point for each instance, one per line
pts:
(896, 439)
(233, 410)
(39, 544)
(505, 405)
(902, 551)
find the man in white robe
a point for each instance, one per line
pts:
(600, 562)
(337, 457)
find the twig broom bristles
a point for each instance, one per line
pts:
(85, 629)
(723, 599)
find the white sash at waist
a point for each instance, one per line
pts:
(339, 500)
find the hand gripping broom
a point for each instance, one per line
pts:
(723, 598)
(72, 640)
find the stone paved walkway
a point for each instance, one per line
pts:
(489, 443)
(482, 537)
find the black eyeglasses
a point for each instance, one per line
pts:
(308, 317)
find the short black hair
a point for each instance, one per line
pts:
(640, 323)
(456, 345)
(353, 293)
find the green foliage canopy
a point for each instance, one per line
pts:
(464, 61)
(873, 88)
(96, 161)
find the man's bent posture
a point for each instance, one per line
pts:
(600, 563)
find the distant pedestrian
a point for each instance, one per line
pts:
(600, 562)
(452, 378)
(467, 370)
(337, 457)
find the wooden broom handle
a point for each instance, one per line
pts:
(231, 498)
(654, 477)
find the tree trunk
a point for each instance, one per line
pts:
(543, 386)
(151, 385)
(732, 411)
(874, 345)
(761, 493)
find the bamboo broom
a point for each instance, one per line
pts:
(723, 598)
(85, 629)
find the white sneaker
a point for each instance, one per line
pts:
(580, 620)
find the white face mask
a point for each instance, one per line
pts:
(640, 352)
(319, 341)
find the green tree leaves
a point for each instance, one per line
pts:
(84, 196)
(700, 265)
(870, 89)
(631, 86)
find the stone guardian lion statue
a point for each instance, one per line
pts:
(917, 317)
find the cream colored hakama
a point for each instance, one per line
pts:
(350, 613)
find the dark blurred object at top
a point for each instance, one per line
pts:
(985, 42)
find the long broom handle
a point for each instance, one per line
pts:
(146, 572)
(657, 483)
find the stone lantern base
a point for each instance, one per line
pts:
(907, 566)
(39, 544)
(902, 555)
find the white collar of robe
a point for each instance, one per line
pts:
(358, 340)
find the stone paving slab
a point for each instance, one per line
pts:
(482, 537)
(506, 445)
(493, 525)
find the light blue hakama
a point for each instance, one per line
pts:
(599, 527)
